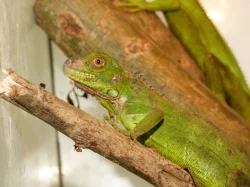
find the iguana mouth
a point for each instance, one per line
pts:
(90, 90)
(76, 77)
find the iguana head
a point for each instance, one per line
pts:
(97, 74)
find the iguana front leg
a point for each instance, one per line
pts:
(139, 119)
(137, 5)
(112, 118)
(106, 104)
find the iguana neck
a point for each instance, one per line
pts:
(134, 90)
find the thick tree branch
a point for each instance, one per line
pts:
(81, 26)
(87, 132)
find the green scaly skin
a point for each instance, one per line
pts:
(179, 135)
(189, 22)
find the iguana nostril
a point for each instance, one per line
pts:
(73, 63)
(69, 61)
(66, 65)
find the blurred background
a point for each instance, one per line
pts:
(30, 149)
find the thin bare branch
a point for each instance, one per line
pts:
(87, 132)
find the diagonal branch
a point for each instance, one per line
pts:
(87, 132)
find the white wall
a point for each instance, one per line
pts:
(28, 154)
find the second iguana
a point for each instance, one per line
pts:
(189, 22)
(181, 136)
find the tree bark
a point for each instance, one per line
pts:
(81, 26)
(87, 132)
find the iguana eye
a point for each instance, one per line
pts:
(98, 62)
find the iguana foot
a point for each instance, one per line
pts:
(134, 135)
(112, 122)
(133, 5)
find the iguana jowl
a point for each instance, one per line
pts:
(179, 135)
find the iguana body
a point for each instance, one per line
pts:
(189, 22)
(177, 134)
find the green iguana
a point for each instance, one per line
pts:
(189, 22)
(179, 135)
